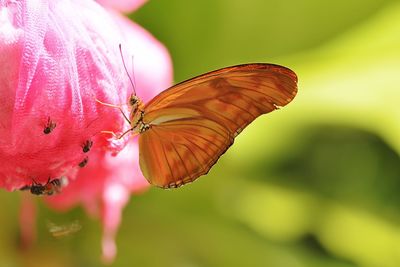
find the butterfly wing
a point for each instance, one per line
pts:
(179, 151)
(194, 122)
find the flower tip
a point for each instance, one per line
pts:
(109, 249)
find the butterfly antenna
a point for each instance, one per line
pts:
(133, 72)
(129, 76)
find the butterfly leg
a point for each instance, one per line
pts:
(112, 133)
(114, 106)
(115, 135)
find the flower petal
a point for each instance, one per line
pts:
(57, 58)
(122, 5)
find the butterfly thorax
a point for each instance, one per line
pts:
(137, 114)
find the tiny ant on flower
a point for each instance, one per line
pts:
(49, 127)
(48, 189)
(87, 145)
(83, 162)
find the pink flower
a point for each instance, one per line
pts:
(57, 58)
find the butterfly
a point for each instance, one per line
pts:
(186, 128)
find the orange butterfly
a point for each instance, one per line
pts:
(186, 128)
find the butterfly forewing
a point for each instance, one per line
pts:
(193, 123)
(270, 80)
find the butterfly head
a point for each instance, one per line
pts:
(135, 104)
(134, 101)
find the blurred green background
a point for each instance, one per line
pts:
(315, 184)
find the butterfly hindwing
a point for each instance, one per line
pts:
(178, 151)
(194, 122)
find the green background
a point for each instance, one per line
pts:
(314, 184)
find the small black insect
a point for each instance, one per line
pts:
(48, 189)
(87, 145)
(49, 127)
(83, 162)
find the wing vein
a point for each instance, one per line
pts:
(194, 156)
(165, 156)
(202, 137)
(183, 163)
(244, 110)
(267, 96)
(201, 125)
(205, 152)
(212, 158)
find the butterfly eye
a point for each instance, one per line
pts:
(133, 100)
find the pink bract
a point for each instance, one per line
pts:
(57, 58)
